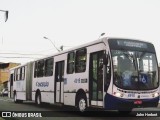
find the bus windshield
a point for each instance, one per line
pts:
(135, 70)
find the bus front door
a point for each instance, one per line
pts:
(59, 76)
(10, 88)
(96, 79)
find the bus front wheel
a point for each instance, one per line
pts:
(82, 103)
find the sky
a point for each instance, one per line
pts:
(71, 23)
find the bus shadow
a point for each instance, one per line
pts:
(69, 111)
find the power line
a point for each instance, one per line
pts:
(19, 57)
(45, 50)
(23, 54)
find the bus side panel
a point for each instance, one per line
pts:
(45, 85)
(19, 85)
(69, 98)
(72, 84)
(47, 91)
(76, 81)
(21, 95)
(21, 89)
(10, 84)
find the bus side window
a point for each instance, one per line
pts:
(70, 63)
(35, 69)
(49, 67)
(18, 74)
(40, 71)
(80, 64)
(23, 73)
(11, 79)
(15, 74)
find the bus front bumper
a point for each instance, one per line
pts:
(115, 103)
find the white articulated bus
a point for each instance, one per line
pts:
(110, 73)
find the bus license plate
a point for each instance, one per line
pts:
(137, 102)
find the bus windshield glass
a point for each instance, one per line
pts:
(135, 70)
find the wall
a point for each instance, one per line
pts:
(4, 72)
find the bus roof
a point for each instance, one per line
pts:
(102, 40)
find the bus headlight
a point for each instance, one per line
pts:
(155, 95)
(117, 94)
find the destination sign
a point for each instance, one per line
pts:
(131, 44)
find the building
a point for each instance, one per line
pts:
(4, 73)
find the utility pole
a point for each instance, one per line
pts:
(52, 43)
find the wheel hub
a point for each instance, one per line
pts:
(82, 105)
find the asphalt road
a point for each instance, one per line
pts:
(68, 113)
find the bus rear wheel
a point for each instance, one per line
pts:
(38, 100)
(15, 99)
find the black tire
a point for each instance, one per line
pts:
(38, 99)
(16, 100)
(82, 103)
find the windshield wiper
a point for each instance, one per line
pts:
(134, 63)
(131, 57)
